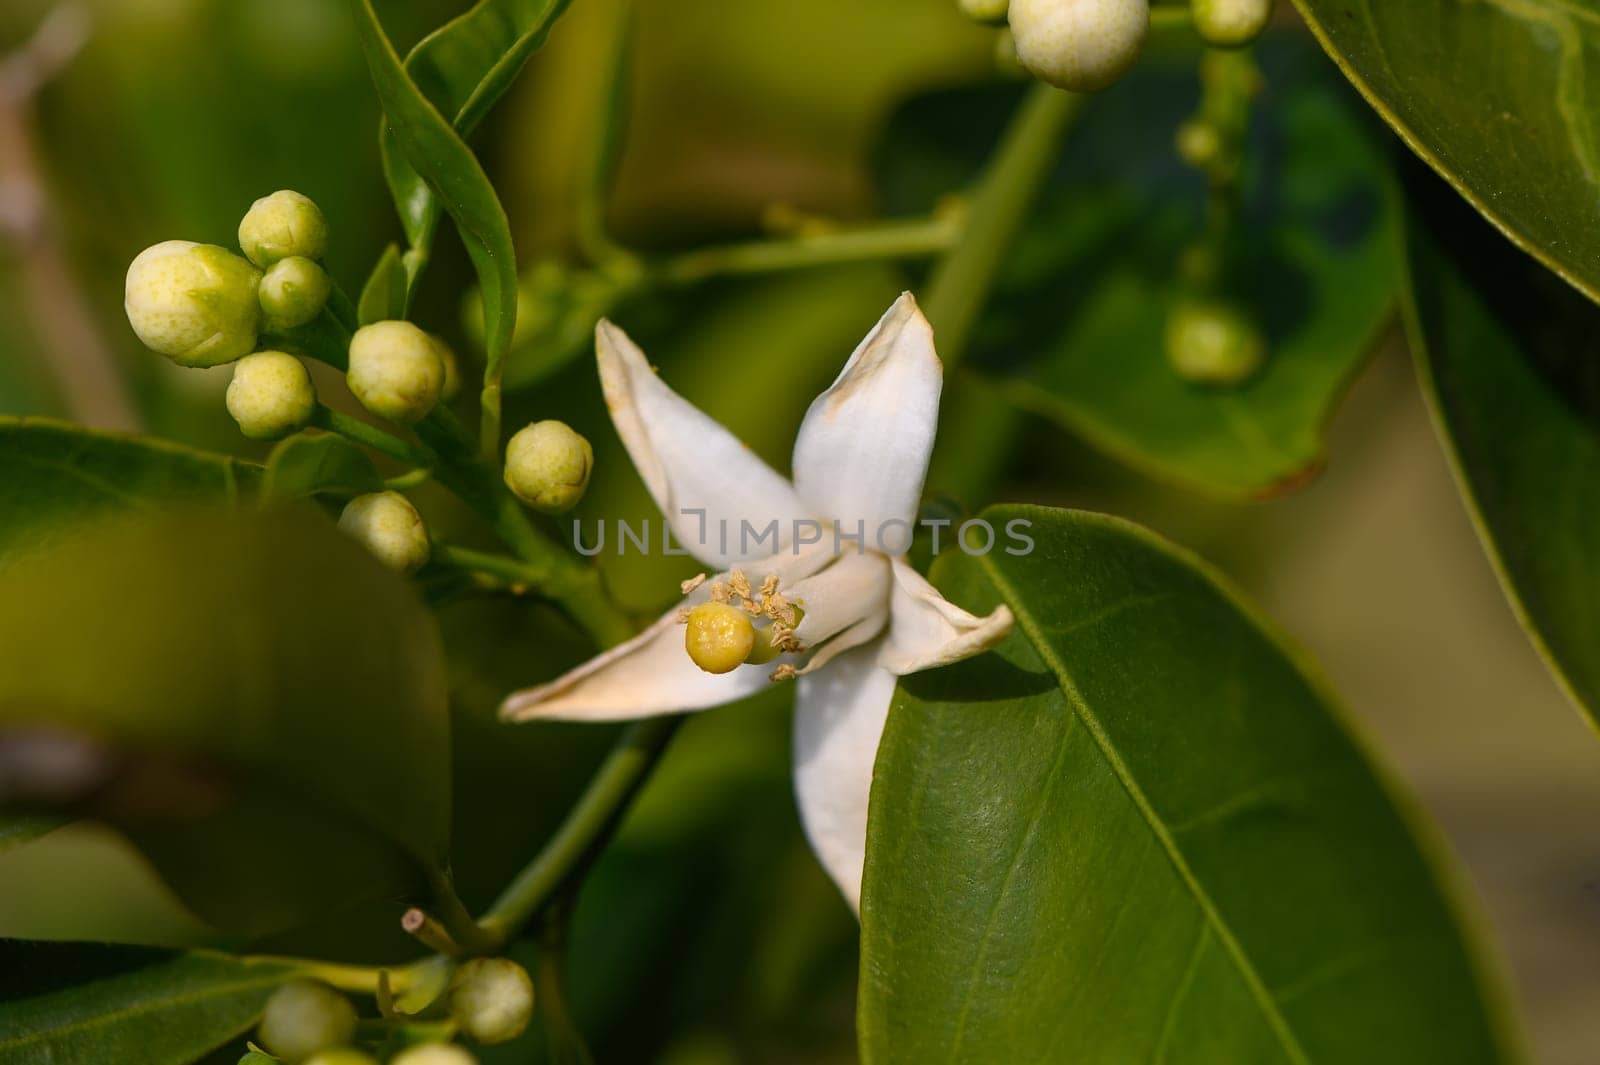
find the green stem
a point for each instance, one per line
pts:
(1171, 17)
(564, 1043)
(360, 432)
(452, 915)
(587, 829)
(513, 571)
(913, 239)
(960, 285)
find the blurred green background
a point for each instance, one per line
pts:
(179, 113)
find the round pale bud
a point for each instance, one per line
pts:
(303, 1018)
(434, 1054)
(294, 291)
(194, 303)
(1210, 342)
(492, 1000)
(1231, 23)
(342, 1056)
(281, 225)
(452, 369)
(1079, 45)
(719, 637)
(395, 371)
(984, 10)
(548, 466)
(388, 526)
(271, 395)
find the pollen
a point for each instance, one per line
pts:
(718, 636)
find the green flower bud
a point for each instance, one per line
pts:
(1079, 45)
(984, 10)
(492, 1000)
(548, 466)
(281, 225)
(1231, 23)
(343, 1056)
(1210, 342)
(389, 526)
(194, 303)
(303, 1018)
(395, 371)
(1199, 145)
(271, 395)
(434, 1054)
(294, 291)
(452, 369)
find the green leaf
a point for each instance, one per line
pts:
(463, 68)
(386, 293)
(17, 829)
(432, 146)
(156, 1009)
(1506, 355)
(315, 464)
(1497, 97)
(1076, 330)
(1140, 831)
(55, 477)
(256, 702)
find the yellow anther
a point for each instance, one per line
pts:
(719, 637)
(692, 583)
(783, 672)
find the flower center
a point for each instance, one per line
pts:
(723, 634)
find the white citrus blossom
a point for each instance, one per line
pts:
(863, 616)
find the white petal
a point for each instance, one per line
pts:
(838, 720)
(691, 463)
(927, 630)
(652, 673)
(862, 453)
(854, 588)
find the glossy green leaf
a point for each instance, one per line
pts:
(1139, 831)
(150, 1008)
(55, 477)
(256, 702)
(384, 296)
(1506, 354)
(308, 464)
(433, 147)
(1076, 329)
(463, 68)
(1496, 96)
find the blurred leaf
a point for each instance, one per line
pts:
(251, 697)
(55, 476)
(167, 1010)
(17, 829)
(1139, 831)
(463, 68)
(444, 161)
(1076, 330)
(311, 464)
(1506, 354)
(384, 296)
(1495, 96)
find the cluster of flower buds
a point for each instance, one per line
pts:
(202, 305)
(490, 1001)
(1088, 45)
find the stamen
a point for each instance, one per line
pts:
(783, 672)
(692, 583)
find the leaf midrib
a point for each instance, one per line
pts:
(1214, 920)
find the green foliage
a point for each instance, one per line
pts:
(55, 477)
(1494, 96)
(1504, 349)
(1140, 831)
(320, 464)
(1077, 329)
(95, 1006)
(285, 750)
(386, 292)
